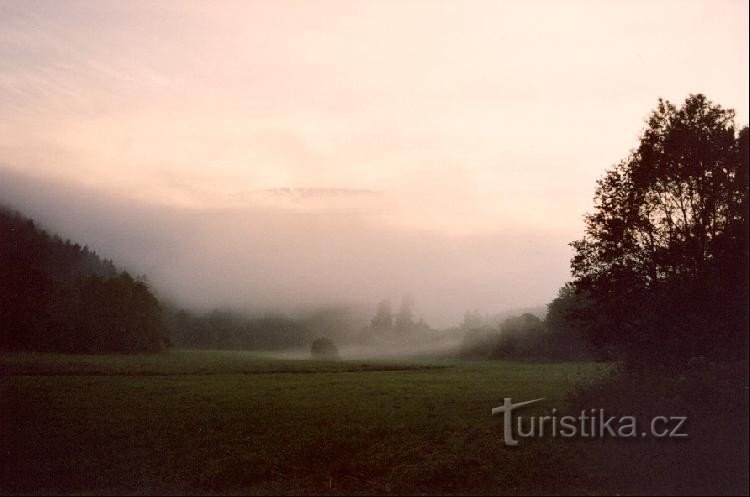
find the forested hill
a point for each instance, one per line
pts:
(58, 296)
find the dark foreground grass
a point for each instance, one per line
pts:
(711, 460)
(220, 422)
(208, 425)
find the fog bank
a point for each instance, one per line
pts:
(260, 255)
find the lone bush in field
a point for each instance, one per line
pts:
(324, 348)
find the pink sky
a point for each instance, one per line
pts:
(458, 119)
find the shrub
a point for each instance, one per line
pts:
(324, 348)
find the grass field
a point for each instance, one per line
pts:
(232, 422)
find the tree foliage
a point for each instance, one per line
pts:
(383, 319)
(404, 321)
(58, 296)
(324, 349)
(664, 253)
(228, 330)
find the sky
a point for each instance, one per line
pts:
(272, 153)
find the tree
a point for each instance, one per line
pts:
(668, 221)
(324, 349)
(383, 319)
(57, 296)
(568, 325)
(405, 318)
(521, 337)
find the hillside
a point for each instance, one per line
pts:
(58, 296)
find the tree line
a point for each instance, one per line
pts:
(58, 296)
(660, 274)
(269, 331)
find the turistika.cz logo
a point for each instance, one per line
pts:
(590, 423)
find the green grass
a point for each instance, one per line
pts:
(186, 363)
(231, 422)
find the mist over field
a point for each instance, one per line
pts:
(263, 254)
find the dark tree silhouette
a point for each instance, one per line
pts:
(521, 337)
(226, 329)
(664, 254)
(58, 296)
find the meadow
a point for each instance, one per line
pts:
(235, 422)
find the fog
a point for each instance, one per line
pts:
(288, 155)
(257, 256)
